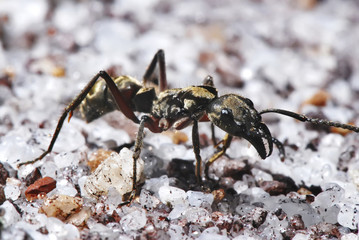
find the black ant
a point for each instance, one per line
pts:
(178, 108)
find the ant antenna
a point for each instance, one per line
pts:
(303, 118)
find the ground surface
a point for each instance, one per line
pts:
(297, 55)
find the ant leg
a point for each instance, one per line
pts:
(119, 99)
(76, 102)
(196, 150)
(208, 81)
(68, 109)
(213, 135)
(303, 118)
(226, 143)
(159, 59)
(146, 121)
(280, 147)
(136, 154)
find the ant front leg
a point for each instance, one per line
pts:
(226, 143)
(136, 155)
(146, 121)
(149, 75)
(77, 101)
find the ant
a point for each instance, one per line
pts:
(178, 108)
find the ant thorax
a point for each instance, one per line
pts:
(183, 102)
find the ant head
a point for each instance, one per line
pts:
(237, 116)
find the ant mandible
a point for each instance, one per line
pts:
(178, 108)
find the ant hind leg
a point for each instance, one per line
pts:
(68, 110)
(150, 76)
(121, 103)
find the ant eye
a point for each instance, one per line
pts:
(226, 112)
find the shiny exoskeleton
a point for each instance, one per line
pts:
(178, 108)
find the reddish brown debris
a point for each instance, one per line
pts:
(341, 131)
(274, 188)
(179, 137)
(218, 194)
(4, 174)
(58, 71)
(32, 177)
(98, 157)
(319, 99)
(296, 222)
(307, 4)
(40, 188)
(304, 191)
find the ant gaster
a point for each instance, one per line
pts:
(178, 108)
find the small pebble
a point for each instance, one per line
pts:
(40, 188)
(61, 206)
(12, 189)
(114, 172)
